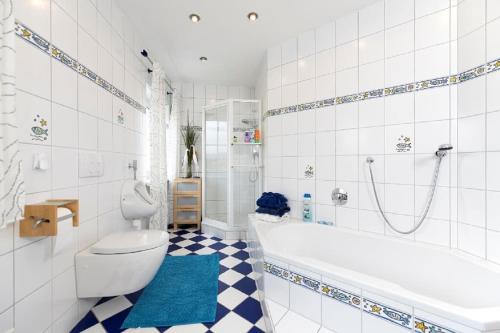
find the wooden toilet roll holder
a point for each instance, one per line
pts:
(41, 219)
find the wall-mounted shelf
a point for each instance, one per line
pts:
(41, 219)
(246, 143)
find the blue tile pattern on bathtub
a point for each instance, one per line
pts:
(384, 312)
(424, 326)
(238, 307)
(41, 43)
(371, 307)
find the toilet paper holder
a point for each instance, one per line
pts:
(41, 219)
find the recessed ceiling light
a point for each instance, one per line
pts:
(253, 16)
(195, 18)
(203, 59)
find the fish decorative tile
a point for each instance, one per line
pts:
(403, 144)
(424, 326)
(387, 313)
(120, 118)
(39, 131)
(309, 171)
(389, 91)
(41, 43)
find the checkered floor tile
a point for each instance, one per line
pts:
(238, 307)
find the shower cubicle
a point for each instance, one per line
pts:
(232, 165)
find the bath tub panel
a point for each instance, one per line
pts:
(304, 301)
(425, 323)
(325, 330)
(276, 311)
(340, 317)
(381, 314)
(276, 288)
(294, 323)
(373, 324)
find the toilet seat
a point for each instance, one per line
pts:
(130, 242)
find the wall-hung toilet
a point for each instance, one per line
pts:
(123, 262)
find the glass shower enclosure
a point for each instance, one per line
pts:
(231, 163)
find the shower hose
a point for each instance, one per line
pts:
(370, 160)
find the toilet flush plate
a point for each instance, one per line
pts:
(91, 165)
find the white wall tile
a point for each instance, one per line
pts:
(64, 85)
(87, 17)
(289, 51)
(471, 15)
(289, 73)
(273, 57)
(398, 11)
(38, 308)
(349, 79)
(36, 14)
(325, 37)
(399, 39)
(36, 65)
(306, 44)
(7, 290)
(371, 19)
(493, 44)
(346, 29)
(33, 267)
(432, 29)
(325, 62)
(346, 56)
(371, 76)
(307, 68)
(399, 70)
(306, 91)
(432, 104)
(64, 31)
(425, 7)
(432, 62)
(371, 48)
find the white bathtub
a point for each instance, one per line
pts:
(392, 285)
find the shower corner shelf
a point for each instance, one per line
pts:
(246, 143)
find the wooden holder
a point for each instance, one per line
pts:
(41, 219)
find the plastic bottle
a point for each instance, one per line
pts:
(307, 214)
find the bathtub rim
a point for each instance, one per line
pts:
(482, 319)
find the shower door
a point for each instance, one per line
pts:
(246, 161)
(215, 163)
(232, 165)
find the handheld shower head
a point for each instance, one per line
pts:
(443, 150)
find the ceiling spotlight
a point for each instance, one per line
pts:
(203, 59)
(253, 16)
(195, 18)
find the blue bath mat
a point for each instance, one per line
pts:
(184, 291)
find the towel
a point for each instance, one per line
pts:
(276, 212)
(271, 218)
(272, 200)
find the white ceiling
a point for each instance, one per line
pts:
(234, 46)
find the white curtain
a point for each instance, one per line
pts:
(11, 180)
(158, 119)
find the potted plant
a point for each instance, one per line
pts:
(190, 138)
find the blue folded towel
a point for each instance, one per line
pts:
(276, 212)
(272, 200)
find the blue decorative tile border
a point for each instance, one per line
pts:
(41, 43)
(396, 90)
(369, 306)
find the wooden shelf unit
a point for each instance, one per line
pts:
(187, 201)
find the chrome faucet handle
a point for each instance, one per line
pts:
(339, 196)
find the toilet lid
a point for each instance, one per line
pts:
(130, 241)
